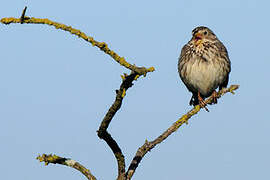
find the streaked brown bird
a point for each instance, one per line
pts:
(204, 65)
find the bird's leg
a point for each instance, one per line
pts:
(201, 102)
(214, 96)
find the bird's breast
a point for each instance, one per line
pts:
(202, 75)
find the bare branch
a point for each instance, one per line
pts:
(101, 45)
(120, 94)
(127, 83)
(102, 132)
(184, 119)
(67, 162)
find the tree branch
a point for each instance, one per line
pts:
(127, 82)
(67, 162)
(136, 72)
(101, 45)
(102, 132)
(184, 119)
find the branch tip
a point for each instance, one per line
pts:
(50, 158)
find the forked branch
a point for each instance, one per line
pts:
(127, 82)
(136, 72)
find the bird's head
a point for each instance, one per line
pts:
(203, 34)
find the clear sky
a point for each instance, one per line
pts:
(55, 89)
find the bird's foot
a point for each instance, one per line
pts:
(214, 96)
(202, 102)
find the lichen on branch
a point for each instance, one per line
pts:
(101, 45)
(147, 146)
(54, 159)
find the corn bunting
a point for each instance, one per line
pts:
(204, 65)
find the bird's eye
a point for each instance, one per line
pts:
(205, 32)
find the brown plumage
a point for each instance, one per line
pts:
(204, 65)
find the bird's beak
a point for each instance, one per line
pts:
(198, 36)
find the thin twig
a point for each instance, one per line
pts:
(184, 119)
(23, 14)
(23, 17)
(67, 162)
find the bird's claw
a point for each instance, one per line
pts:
(202, 102)
(214, 96)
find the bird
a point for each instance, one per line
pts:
(204, 65)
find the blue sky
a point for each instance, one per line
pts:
(55, 89)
